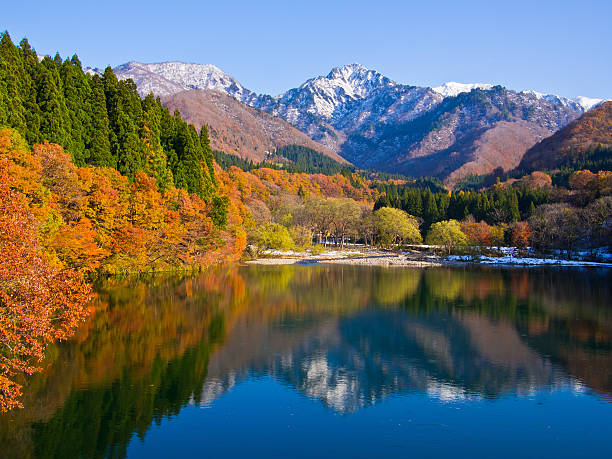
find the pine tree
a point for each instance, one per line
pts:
(513, 208)
(55, 121)
(77, 94)
(12, 108)
(98, 140)
(125, 116)
(532, 210)
(208, 155)
(155, 160)
(430, 213)
(33, 113)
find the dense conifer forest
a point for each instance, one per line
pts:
(100, 120)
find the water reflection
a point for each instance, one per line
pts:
(347, 336)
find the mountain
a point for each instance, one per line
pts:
(168, 78)
(449, 131)
(471, 133)
(593, 129)
(236, 128)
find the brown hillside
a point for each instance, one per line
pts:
(591, 129)
(501, 146)
(238, 129)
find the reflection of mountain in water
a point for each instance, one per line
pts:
(357, 361)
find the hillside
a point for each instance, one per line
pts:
(471, 133)
(592, 129)
(236, 128)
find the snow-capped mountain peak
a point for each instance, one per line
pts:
(356, 80)
(452, 88)
(323, 95)
(167, 78)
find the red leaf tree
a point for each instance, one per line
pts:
(39, 303)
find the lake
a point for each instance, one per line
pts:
(303, 361)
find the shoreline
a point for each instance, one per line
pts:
(420, 260)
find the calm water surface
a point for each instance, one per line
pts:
(296, 361)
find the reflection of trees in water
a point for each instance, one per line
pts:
(461, 332)
(142, 356)
(349, 336)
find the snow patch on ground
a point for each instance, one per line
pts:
(523, 261)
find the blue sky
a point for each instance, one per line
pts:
(562, 47)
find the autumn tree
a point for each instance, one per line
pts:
(395, 226)
(521, 234)
(271, 236)
(447, 234)
(346, 215)
(478, 234)
(39, 303)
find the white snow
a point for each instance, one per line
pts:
(167, 78)
(588, 102)
(524, 261)
(452, 88)
(581, 102)
(324, 94)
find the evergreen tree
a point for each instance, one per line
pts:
(101, 121)
(77, 93)
(430, 212)
(532, 210)
(55, 122)
(124, 115)
(98, 139)
(207, 151)
(155, 161)
(12, 108)
(513, 207)
(33, 113)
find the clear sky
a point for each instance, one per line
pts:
(562, 47)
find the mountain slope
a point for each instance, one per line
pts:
(449, 131)
(594, 128)
(471, 133)
(237, 128)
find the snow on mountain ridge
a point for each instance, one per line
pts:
(322, 96)
(167, 78)
(452, 88)
(588, 102)
(580, 103)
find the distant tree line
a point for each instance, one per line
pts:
(100, 120)
(291, 158)
(226, 161)
(597, 158)
(391, 188)
(495, 206)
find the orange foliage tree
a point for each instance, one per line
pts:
(521, 234)
(477, 233)
(39, 303)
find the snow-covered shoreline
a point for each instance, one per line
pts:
(380, 258)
